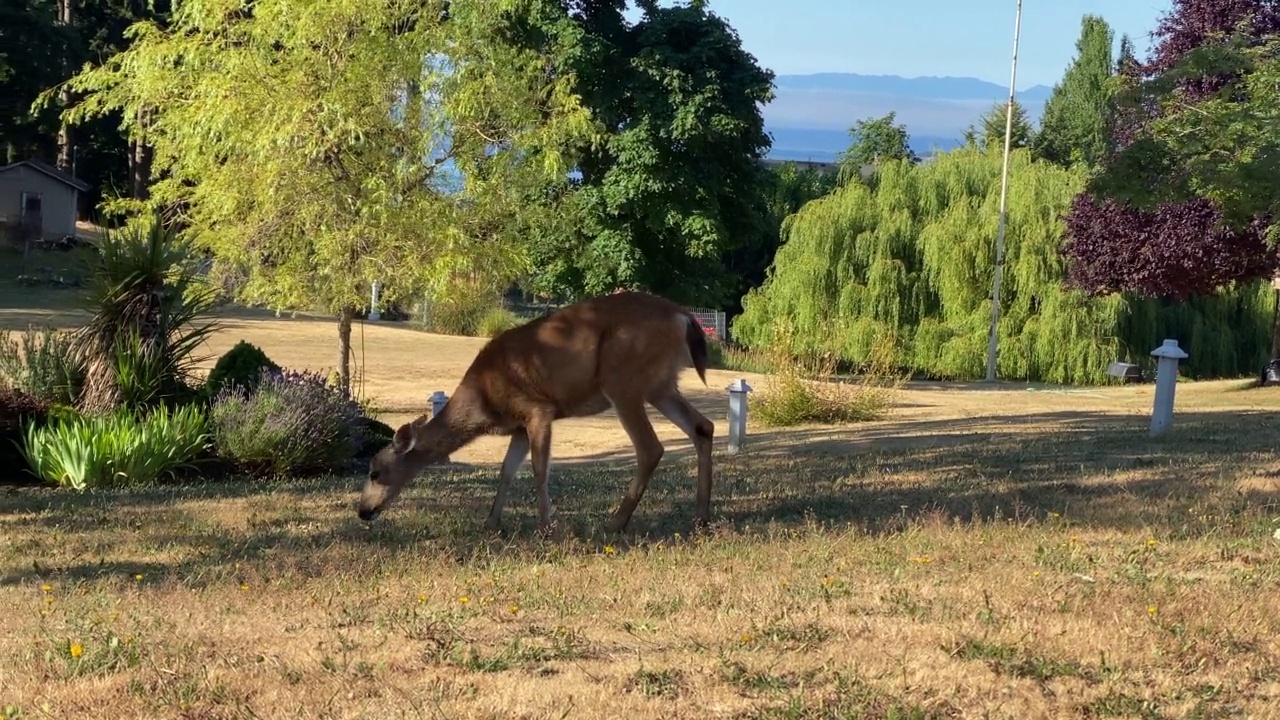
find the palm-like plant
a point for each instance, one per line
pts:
(147, 301)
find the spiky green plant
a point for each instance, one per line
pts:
(149, 308)
(115, 449)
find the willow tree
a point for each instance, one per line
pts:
(316, 147)
(908, 259)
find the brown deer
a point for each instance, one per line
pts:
(620, 350)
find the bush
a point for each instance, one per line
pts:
(460, 313)
(116, 449)
(496, 320)
(43, 364)
(147, 300)
(291, 422)
(804, 390)
(241, 366)
(18, 410)
(737, 359)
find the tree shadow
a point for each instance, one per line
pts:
(1101, 470)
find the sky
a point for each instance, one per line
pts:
(970, 38)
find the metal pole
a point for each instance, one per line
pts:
(1004, 192)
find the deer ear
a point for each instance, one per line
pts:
(403, 441)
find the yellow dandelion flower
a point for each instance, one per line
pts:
(608, 549)
(746, 638)
(76, 650)
(244, 586)
(1151, 610)
(1035, 574)
(514, 609)
(138, 576)
(46, 587)
(1151, 542)
(422, 599)
(464, 599)
(1054, 514)
(48, 599)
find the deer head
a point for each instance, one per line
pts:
(411, 449)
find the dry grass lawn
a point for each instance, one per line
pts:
(1006, 553)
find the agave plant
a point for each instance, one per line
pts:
(148, 303)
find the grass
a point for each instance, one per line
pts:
(1080, 570)
(1016, 551)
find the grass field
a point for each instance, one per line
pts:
(1010, 552)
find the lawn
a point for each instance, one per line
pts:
(1020, 552)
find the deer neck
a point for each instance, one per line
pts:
(459, 422)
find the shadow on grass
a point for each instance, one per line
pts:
(1099, 470)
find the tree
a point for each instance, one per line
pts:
(1183, 206)
(353, 142)
(790, 187)
(906, 260)
(677, 182)
(1127, 59)
(1073, 127)
(32, 44)
(990, 133)
(875, 140)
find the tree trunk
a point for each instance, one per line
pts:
(66, 147)
(344, 349)
(139, 169)
(140, 155)
(1275, 328)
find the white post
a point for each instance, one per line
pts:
(1167, 356)
(373, 303)
(738, 390)
(438, 399)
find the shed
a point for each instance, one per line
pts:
(39, 200)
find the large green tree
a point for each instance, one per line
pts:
(677, 182)
(906, 259)
(989, 132)
(32, 46)
(1186, 205)
(875, 140)
(316, 147)
(1073, 127)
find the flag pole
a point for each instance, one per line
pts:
(993, 331)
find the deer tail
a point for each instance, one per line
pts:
(697, 341)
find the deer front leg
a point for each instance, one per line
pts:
(649, 452)
(517, 451)
(539, 434)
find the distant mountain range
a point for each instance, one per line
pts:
(810, 116)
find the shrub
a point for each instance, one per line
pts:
(116, 449)
(18, 410)
(804, 390)
(291, 422)
(496, 320)
(43, 364)
(241, 366)
(737, 359)
(147, 300)
(461, 313)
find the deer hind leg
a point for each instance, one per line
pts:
(539, 433)
(649, 452)
(517, 451)
(676, 408)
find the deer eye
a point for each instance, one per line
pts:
(373, 474)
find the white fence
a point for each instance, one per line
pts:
(712, 322)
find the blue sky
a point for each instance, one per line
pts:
(971, 38)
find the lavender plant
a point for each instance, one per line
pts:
(291, 422)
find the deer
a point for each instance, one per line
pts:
(622, 351)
